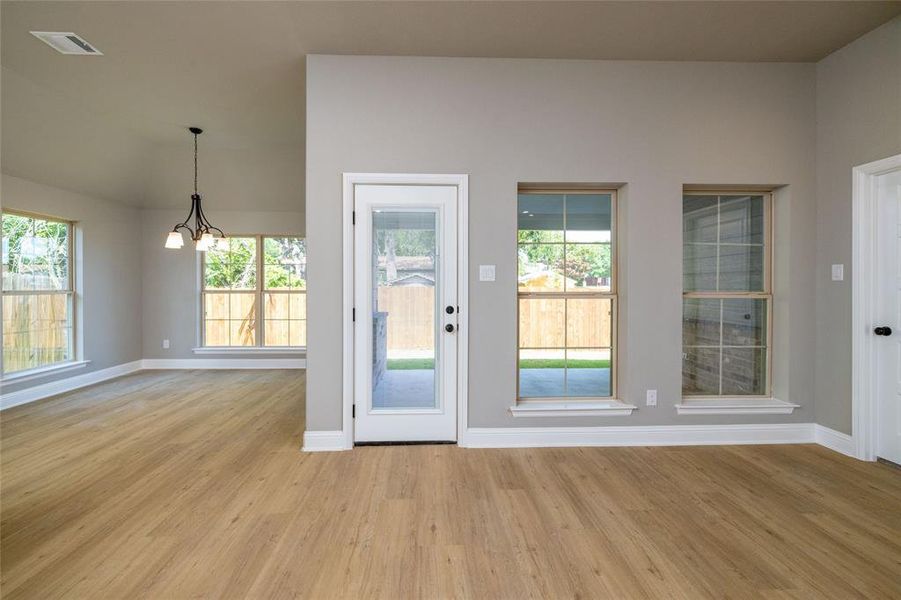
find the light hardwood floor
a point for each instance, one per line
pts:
(192, 484)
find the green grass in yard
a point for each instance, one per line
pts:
(406, 364)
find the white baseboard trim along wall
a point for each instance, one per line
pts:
(324, 441)
(664, 435)
(835, 440)
(45, 390)
(224, 363)
(483, 437)
(69, 384)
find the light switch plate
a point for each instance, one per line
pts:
(838, 272)
(652, 398)
(486, 272)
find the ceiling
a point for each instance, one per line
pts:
(113, 126)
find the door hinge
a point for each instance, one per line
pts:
(353, 411)
(353, 217)
(353, 315)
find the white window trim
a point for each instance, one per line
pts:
(75, 292)
(572, 408)
(735, 406)
(28, 375)
(750, 404)
(259, 292)
(293, 350)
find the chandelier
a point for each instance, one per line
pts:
(202, 231)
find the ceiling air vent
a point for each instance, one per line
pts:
(67, 42)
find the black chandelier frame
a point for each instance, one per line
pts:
(202, 225)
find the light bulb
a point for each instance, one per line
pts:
(174, 240)
(205, 242)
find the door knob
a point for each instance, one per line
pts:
(449, 328)
(449, 310)
(886, 331)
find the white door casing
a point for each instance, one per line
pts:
(888, 315)
(414, 424)
(875, 303)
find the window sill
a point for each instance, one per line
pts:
(735, 406)
(250, 351)
(584, 408)
(44, 371)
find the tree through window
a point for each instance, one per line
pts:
(254, 292)
(38, 292)
(567, 293)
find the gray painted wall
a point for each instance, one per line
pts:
(136, 292)
(110, 269)
(858, 121)
(170, 282)
(653, 126)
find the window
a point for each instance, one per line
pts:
(726, 305)
(38, 292)
(254, 293)
(567, 294)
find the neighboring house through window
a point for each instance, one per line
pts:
(727, 299)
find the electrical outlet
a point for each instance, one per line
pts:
(165, 344)
(652, 398)
(838, 272)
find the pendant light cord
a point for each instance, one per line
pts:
(195, 163)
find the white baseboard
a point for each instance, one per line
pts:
(664, 435)
(39, 392)
(224, 363)
(835, 440)
(485, 437)
(53, 388)
(324, 441)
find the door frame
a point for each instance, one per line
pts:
(864, 219)
(461, 182)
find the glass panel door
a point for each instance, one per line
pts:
(406, 306)
(405, 297)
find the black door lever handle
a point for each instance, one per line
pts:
(884, 330)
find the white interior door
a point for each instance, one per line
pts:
(405, 303)
(888, 311)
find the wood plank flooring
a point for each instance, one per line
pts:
(191, 484)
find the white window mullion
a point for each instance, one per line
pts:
(720, 388)
(718, 239)
(261, 274)
(565, 308)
